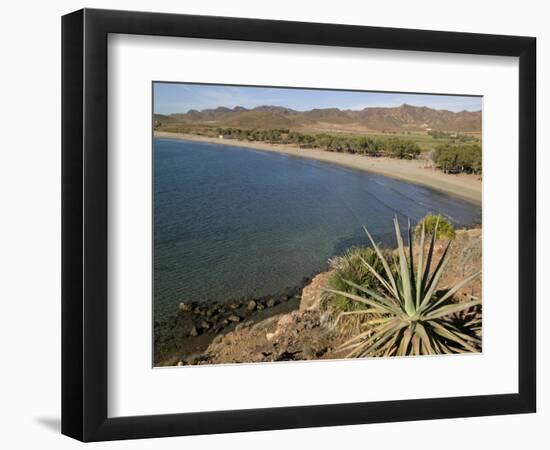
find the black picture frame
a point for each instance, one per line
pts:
(84, 224)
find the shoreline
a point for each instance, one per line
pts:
(295, 329)
(196, 325)
(464, 186)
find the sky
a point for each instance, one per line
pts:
(172, 98)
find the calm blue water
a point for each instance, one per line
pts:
(232, 222)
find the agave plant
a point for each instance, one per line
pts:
(408, 315)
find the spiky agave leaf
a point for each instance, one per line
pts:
(404, 273)
(413, 318)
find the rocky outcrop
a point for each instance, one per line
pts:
(298, 335)
(295, 335)
(313, 293)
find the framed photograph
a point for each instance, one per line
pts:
(273, 225)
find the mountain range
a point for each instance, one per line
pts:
(400, 118)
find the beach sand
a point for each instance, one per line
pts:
(465, 186)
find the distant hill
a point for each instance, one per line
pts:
(401, 118)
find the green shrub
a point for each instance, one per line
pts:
(459, 158)
(351, 266)
(338, 310)
(445, 228)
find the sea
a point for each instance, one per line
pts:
(233, 223)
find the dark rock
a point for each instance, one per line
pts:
(217, 329)
(308, 351)
(287, 356)
(270, 303)
(321, 352)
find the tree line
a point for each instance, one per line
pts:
(462, 138)
(364, 145)
(459, 158)
(450, 157)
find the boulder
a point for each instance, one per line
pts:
(251, 305)
(241, 326)
(234, 318)
(285, 320)
(186, 307)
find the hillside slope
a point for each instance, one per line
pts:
(401, 118)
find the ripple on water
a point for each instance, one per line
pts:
(234, 223)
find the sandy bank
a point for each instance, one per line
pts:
(467, 187)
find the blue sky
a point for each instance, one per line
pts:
(178, 97)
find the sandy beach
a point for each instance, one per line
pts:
(467, 187)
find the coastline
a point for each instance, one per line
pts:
(464, 186)
(285, 330)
